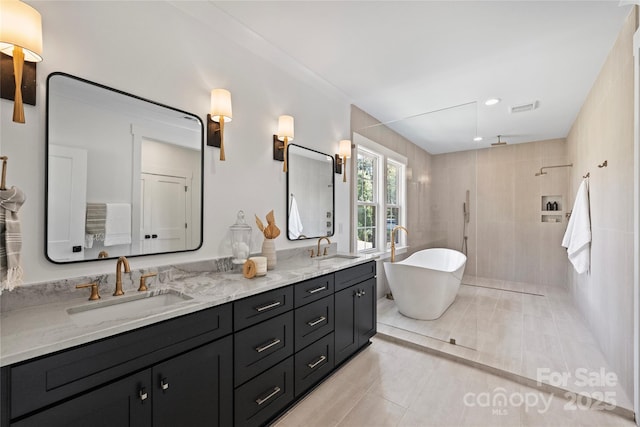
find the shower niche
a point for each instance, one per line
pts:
(551, 208)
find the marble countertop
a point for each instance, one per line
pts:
(38, 330)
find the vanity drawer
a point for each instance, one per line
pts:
(313, 364)
(351, 276)
(257, 308)
(262, 346)
(41, 382)
(312, 290)
(313, 321)
(263, 397)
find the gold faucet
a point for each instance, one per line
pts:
(393, 240)
(121, 261)
(325, 249)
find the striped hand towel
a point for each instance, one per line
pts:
(95, 223)
(10, 238)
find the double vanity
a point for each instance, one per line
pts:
(197, 349)
(191, 345)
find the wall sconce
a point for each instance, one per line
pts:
(280, 141)
(341, 158)
(220, 113)
(21, 38)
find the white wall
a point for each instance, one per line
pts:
(156, 51)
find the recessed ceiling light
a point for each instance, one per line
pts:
(477, 138)
(492, 101)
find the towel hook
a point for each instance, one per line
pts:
(587, 175)
(603, 164)
(4, 172)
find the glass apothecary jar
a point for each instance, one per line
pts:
(240, 239)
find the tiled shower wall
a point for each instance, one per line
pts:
(507, 238)
(603, 131)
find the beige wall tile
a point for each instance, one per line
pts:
(602, 131)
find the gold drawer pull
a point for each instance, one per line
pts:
(318, 320)
(262, 400)
(313, 291)
(268, 346)
(268, 306)
(317, 362)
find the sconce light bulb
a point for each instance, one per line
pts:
(285, 128)
(221, 105)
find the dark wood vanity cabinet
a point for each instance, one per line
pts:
(191, 389)
(355, 308)
(242, 363)
(180, 369)
(333, 316)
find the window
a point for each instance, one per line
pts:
(380, 203)
(367, 200)
(395, 171)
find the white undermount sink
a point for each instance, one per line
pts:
(125, 306)
(336, 257)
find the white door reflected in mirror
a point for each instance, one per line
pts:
(139, 155)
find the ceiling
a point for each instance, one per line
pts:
(422, 59)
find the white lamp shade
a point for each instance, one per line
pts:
(285, 128)
(345, 148)
(221, 105)
(20, 25)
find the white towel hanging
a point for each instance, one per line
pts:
(295, 222)
(577, 237)
(118, 224)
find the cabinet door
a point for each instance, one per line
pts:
(123, 403)
(366, 311)
(346, 337)
(195, 389)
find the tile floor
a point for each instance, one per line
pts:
(392, 384)
(514, 329)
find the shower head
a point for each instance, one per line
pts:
(551, 167)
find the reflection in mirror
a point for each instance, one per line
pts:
(124, 174)
(310, 196)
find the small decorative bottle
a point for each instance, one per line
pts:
(555, 206)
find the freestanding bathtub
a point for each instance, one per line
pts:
(425, 284)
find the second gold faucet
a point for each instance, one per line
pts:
(325, 248)
(393, 240)
(122, 261)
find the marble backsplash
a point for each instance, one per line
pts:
(61, 290)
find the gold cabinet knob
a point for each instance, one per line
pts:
(94, 290)
(143, 284)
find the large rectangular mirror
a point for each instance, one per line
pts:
(310, 195)
(124, 174)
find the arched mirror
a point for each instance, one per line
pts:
(310, 196)
(124, 174)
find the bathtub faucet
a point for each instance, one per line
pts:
(393, 241)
